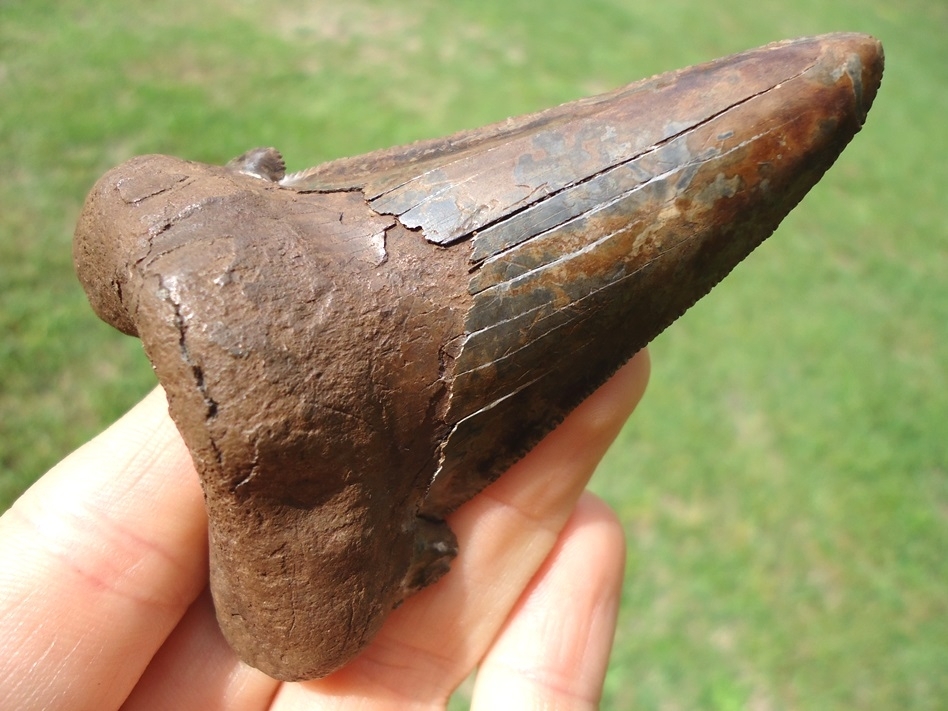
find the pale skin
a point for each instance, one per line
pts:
(104, 601)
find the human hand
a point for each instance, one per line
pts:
(104, 601)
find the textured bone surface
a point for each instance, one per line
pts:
(352, 351)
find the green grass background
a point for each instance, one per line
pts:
(784, 484)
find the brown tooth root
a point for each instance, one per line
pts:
(353, 351)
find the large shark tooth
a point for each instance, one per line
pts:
(353, 351)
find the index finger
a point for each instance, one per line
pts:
(101, 558)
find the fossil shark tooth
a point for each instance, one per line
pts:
(352, 351)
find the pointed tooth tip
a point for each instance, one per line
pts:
(872, 62)
(861, 57)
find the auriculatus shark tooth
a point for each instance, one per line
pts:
(352, 351)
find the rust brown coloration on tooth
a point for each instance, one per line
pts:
(353, 351)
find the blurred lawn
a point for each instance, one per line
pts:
(785, 482)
